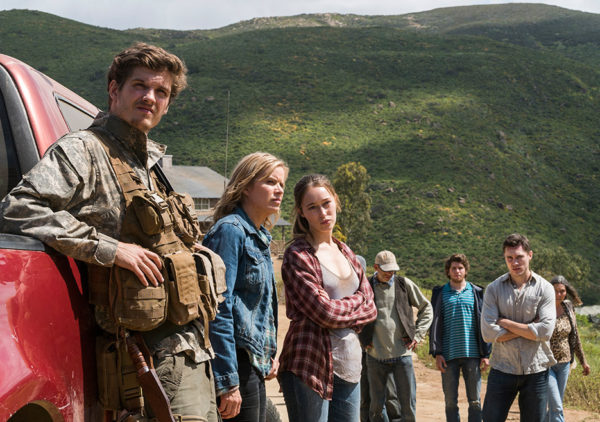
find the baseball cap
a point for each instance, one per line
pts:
(386, 261)
(362, 262)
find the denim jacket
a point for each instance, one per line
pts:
(241, 321)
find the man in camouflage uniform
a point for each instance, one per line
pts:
(72, 201)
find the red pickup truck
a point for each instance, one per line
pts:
(47, 330)
(46, 327)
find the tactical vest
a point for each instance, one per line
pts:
(163, 223)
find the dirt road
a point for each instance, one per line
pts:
(430, 397)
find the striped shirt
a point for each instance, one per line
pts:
(460, 329)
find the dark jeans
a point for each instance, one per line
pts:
(252, 390)
(450, 379)
(305, 405)
(502, 389)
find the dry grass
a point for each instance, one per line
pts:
(584, 392)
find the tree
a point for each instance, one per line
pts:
(559, 261)
(354, 220)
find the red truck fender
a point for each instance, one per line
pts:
(47, 332)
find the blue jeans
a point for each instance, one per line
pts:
(502, 388)
(304, 404)
(472, 377)
(392, 406)
(557, 382)
(406, 385)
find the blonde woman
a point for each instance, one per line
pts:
(328, 300)
(243, 335)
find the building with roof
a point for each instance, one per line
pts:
(204, 185)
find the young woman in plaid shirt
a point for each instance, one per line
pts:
(328, 300)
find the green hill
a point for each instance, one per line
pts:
(469, 130)
(571, 33)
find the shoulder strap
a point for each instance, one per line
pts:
(401, 282)
(372, 281)
(130, 183)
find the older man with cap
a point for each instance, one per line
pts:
(392, 337)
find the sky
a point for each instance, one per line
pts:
(204, 14)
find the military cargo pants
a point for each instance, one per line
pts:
(189, 386)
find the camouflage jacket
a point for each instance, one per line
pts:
(71, 200)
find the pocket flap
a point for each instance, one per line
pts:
(148, 216)
(218, 271)
(204, 268)
(183, 270)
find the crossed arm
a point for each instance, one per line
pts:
(497, 328)
(305, 292)
(514, 329)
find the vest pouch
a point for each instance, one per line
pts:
(217, 273)
(130, 389)
(152, 213)
(108, 373)
(208, 294)
(184, 292)
(135, 306)
(185, 221)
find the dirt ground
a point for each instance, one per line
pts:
(430, 397)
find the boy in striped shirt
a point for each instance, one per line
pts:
(455, 339)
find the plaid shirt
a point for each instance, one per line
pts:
(307, 348)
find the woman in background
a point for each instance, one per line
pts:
(244, 333)
(565, 344)
(328, 300)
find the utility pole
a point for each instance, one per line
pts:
(226, 139)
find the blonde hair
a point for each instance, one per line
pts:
(251, 168)
(301, 227)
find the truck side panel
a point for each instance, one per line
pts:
(47, 331)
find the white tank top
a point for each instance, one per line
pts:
(345, 346)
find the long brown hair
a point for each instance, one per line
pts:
(571, 292)
(251, 168)
(301, 228)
